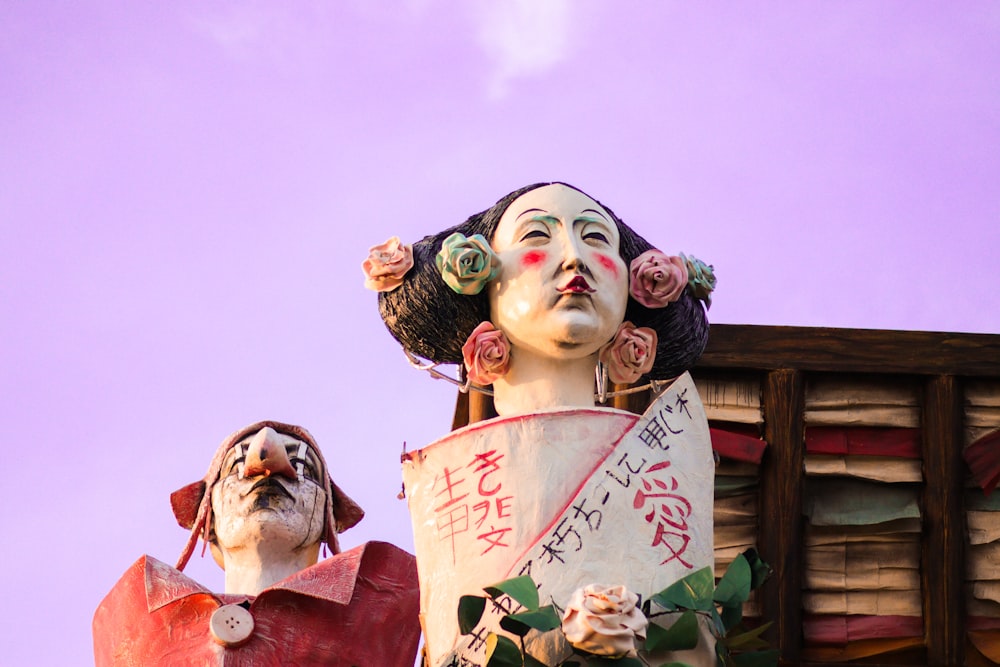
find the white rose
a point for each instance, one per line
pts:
(604, 620)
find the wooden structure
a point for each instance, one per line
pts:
(783, 360)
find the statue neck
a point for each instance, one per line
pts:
(251, 569)
(534, 382)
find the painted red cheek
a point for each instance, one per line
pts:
(531, 258)
(609, 264)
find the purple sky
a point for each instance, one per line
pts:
(187, 190)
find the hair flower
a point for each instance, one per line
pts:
(701, 279)
(386, 265)
(657, 280)
(467, 263)
(486, 354)
(604, 621)
(630, 354)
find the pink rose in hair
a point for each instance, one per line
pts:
(486, 354)
(656, 279)
(630, 353)
(386, 265)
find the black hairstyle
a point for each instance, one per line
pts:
(432, 321)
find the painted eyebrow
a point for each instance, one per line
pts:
(595, 212)
(530, 210)
(601, 222)
(548, 219)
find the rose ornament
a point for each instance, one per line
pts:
(467, 263)
(486, 354)
(657, 280)
(701, 279)
(604, 620)
(386, 265)
(630, 353)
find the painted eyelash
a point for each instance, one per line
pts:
(534, 234)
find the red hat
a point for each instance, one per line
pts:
(192, 504)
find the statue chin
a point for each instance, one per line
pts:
(281, 528)
(571, 335)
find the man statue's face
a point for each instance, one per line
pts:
(269, 495)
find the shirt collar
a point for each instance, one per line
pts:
(332, 580)
(166, 584)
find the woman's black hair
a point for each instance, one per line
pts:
(432, 321)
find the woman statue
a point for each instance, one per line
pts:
(556, 332)
(545, 296)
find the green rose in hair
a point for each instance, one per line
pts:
(701, 279)
(467, 263)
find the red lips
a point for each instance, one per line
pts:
(578, 285)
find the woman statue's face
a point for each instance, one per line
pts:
(562, 287)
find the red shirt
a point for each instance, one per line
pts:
(356, 608)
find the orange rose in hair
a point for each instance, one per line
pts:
(386, 265)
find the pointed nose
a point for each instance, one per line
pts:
(266, 455)
(572, 250)
(572, 256)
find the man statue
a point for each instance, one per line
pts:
(264, 507)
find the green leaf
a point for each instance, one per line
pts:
(513, 626)
(521, 589)
(655, 637)
(758, 658)
(692, 592)
(718, 627)
(502, 652)
(750, 639)
(680, 636)
(533, 662)
(759, 570)
(470, 610)
(753, 644)
(598, 661)
(543, 619)
(722, 656)
(731, 617)
(734, 587)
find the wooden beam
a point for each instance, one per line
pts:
(852, 350)
(472, 407)
(943, 567)
(461, 416)
(480, 407)
(781, 482)
(637, 402)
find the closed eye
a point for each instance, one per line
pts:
(308, 469)
(233, 465)
(535, 234)
(597, 237)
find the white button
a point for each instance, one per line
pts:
(231, 625)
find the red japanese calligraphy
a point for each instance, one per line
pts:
(476, 500)
(490, 462)
(452, 515)
(670, 511)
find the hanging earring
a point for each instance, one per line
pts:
(464, 379)
(601, 378)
